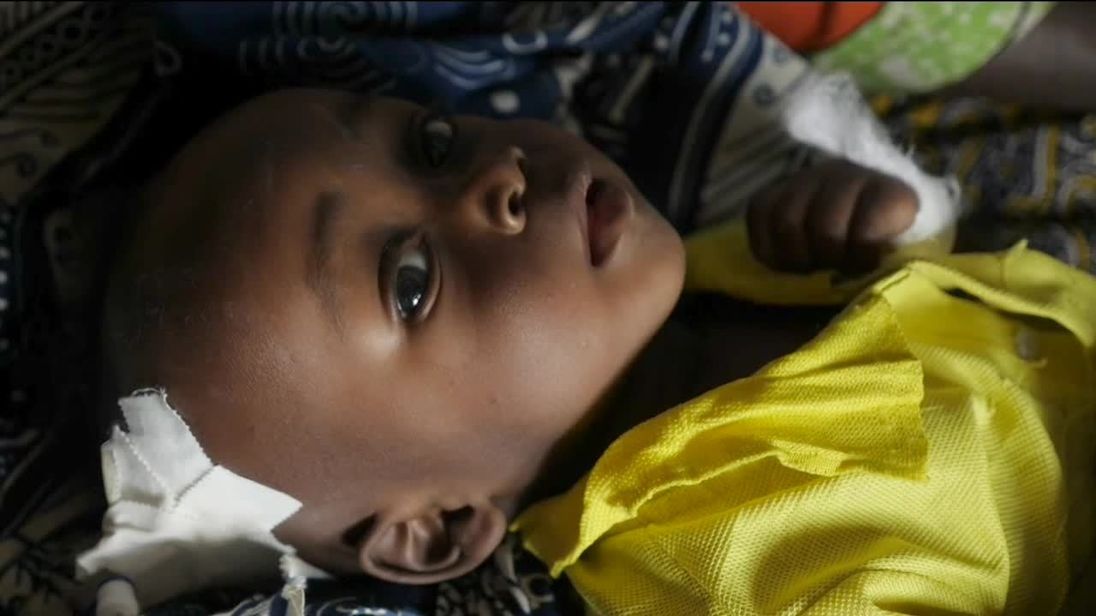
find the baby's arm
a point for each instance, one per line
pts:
(1055, 64)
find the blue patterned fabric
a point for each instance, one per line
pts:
(648, 82)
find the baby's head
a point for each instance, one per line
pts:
(394, 317)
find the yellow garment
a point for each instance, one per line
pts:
(920, 455)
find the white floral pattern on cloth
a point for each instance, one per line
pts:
(917, 47)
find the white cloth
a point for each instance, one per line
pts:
(176, 522)
(830, 114)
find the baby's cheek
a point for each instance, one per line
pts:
(552, 361)
(640, 297)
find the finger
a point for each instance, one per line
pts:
(831, 214)
(787, 223)
(893, 208)
(885, 209)
(757, 226)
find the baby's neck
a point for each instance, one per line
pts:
(709, 342)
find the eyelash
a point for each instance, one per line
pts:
(392, 259)
(431, 128)
(436, 121)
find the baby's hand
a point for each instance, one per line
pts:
(836, 215)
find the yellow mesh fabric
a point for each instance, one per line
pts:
(929, 452)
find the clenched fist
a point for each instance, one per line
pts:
(836, 215)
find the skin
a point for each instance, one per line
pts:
(307, 379)
(412, 441)
(1054, 65)
(835, 215)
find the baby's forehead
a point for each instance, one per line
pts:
(245, 197)
(270, 152)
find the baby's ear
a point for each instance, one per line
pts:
(431, 546)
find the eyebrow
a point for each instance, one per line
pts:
(325, 215)
(347, 115)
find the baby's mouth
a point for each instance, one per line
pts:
(608, 209)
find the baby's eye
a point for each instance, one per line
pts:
(436, 135)
(412, 274)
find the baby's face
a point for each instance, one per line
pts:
(408, 307)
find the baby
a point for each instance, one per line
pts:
(420, 327)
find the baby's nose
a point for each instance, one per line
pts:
(495, 194)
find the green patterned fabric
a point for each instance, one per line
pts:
(918, 47)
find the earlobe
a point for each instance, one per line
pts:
(431, 546)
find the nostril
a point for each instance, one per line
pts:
(593, 191)
(514, 205)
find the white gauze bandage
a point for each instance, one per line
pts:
(829, 113)
(176, 522)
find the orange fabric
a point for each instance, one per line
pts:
(810, 26)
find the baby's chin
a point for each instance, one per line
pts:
(662, 251)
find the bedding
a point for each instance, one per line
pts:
(82, 82)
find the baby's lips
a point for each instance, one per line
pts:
(609, 207)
